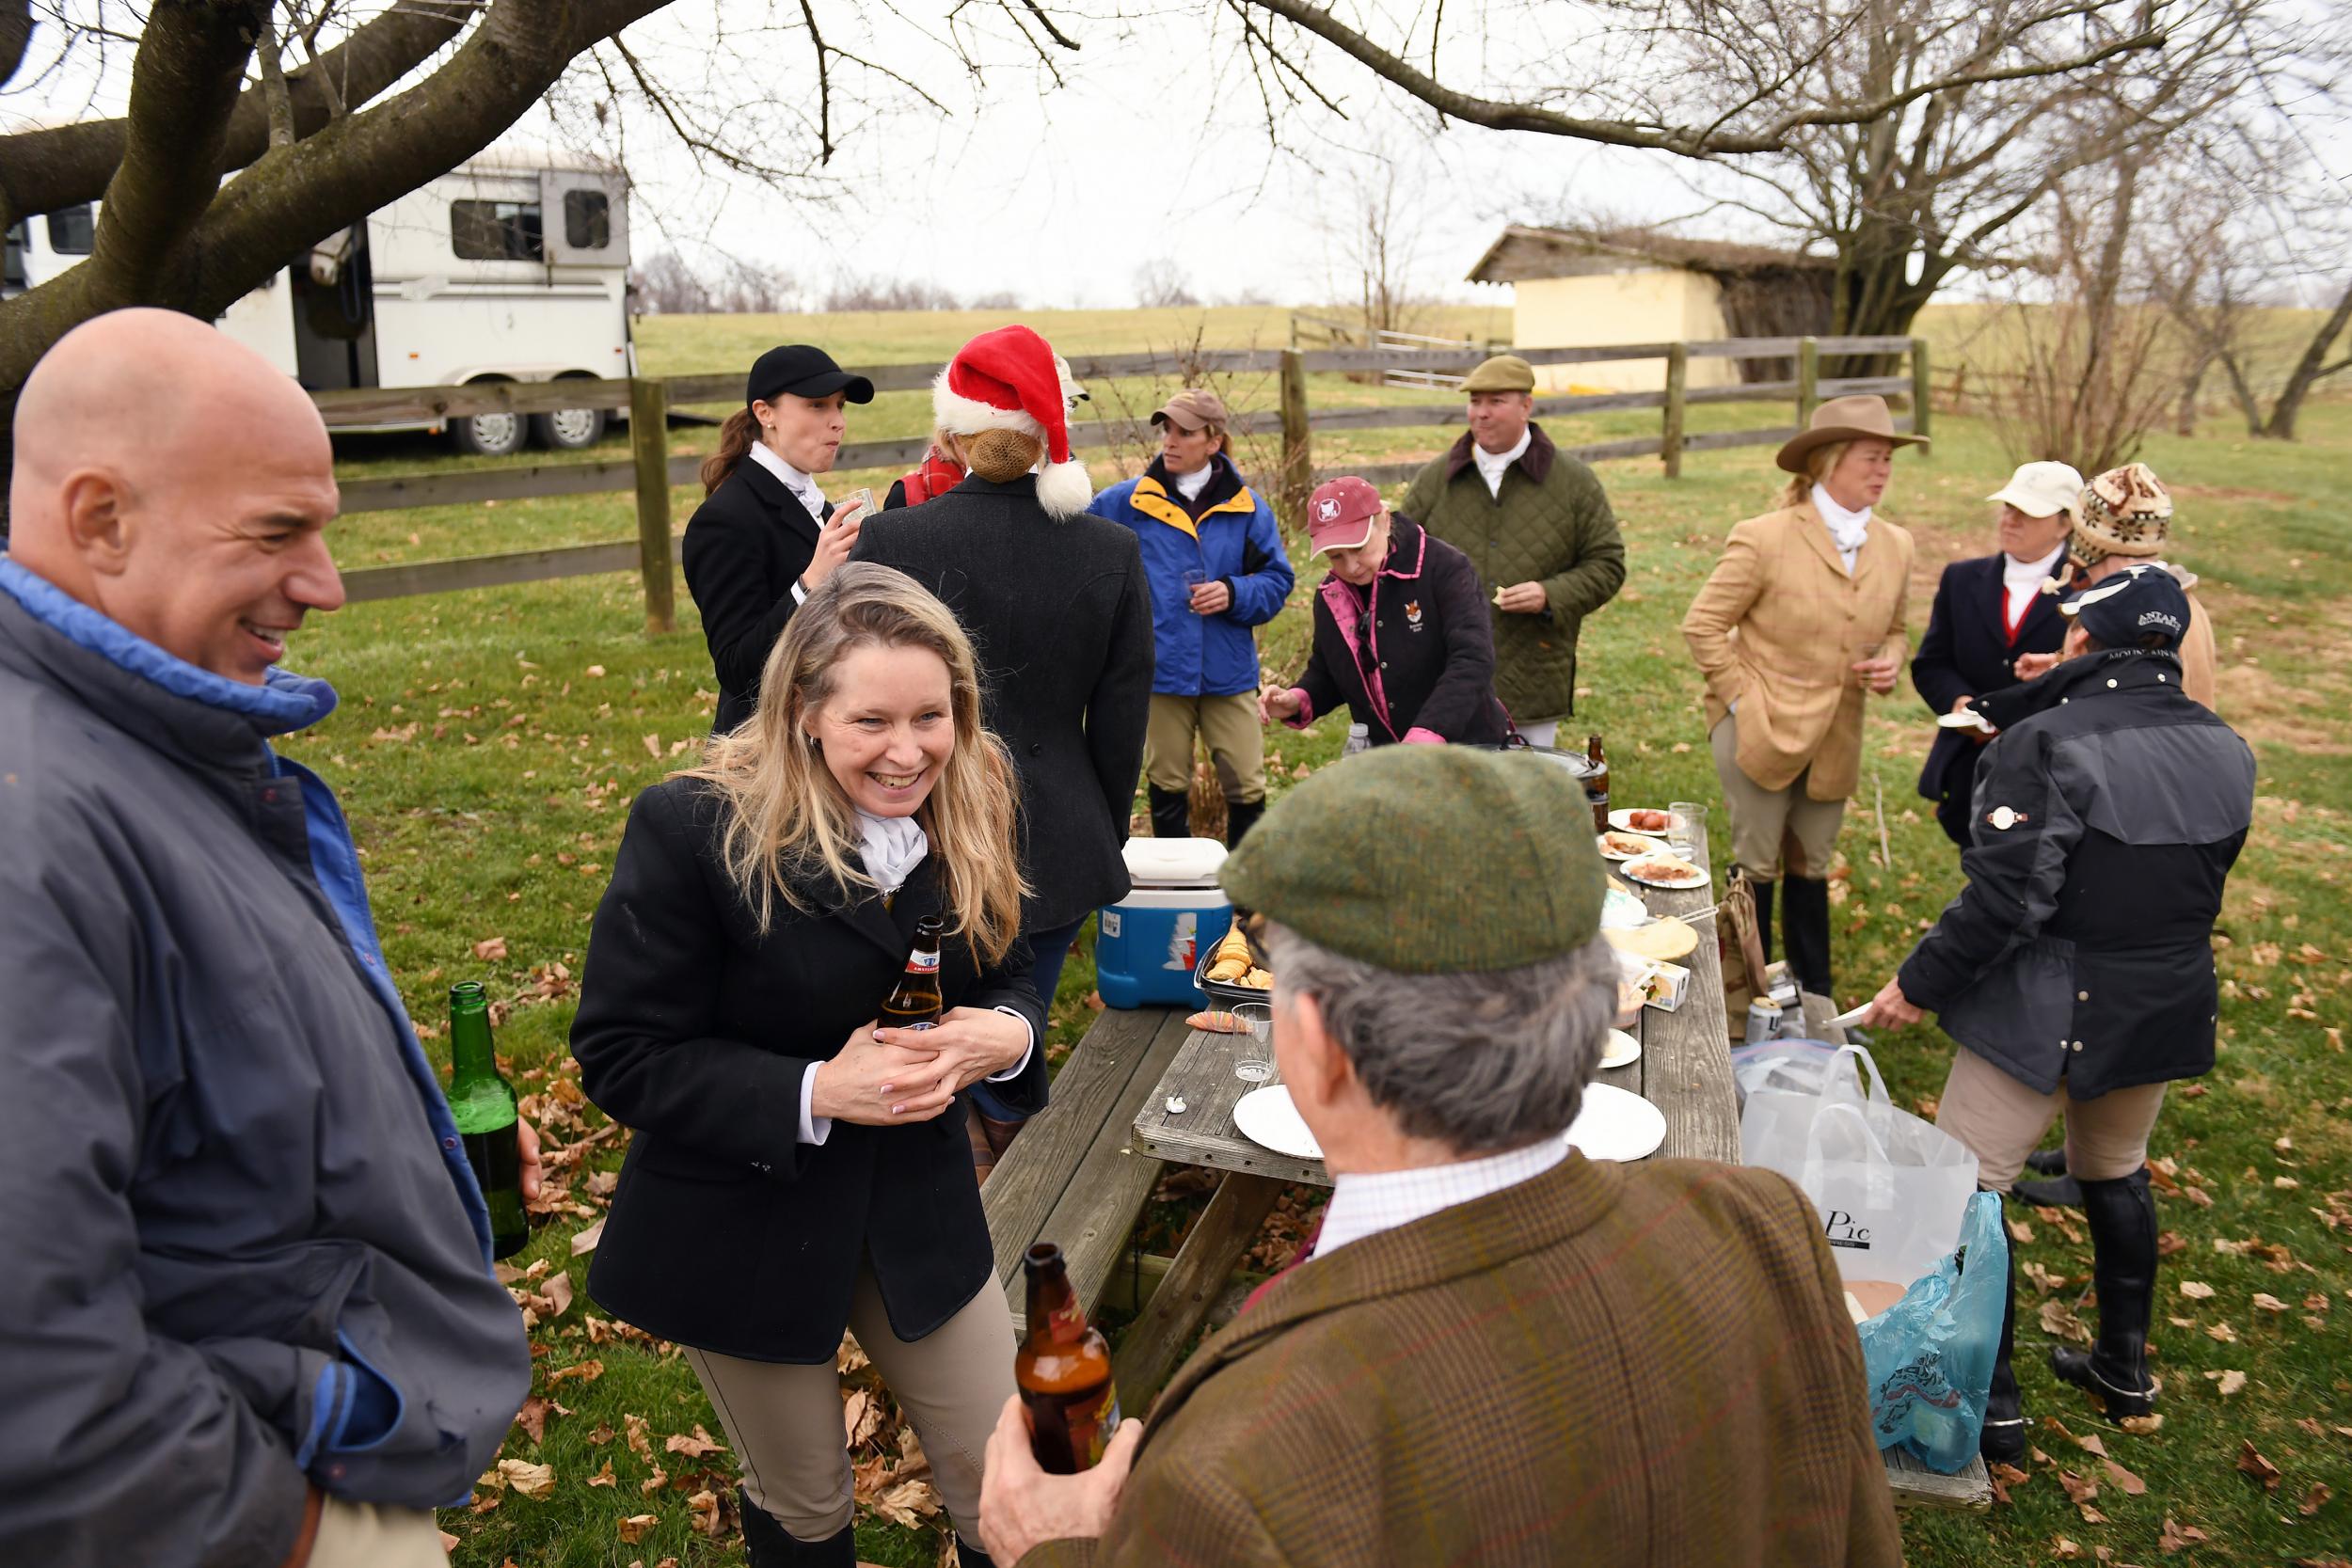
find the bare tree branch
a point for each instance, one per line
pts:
(45, 169)
(1047, 23)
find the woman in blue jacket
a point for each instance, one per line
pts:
(1213, 558)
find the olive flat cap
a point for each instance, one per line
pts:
(1504, 373)
(1429, 859)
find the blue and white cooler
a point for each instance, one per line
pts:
(1149, 943)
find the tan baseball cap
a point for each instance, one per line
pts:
(1504, 373)
(2042, 489)
(1191, 409)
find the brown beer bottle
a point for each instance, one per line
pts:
(914, 1002)
(1063, 1369)
(1596, 784)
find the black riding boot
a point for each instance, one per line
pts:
(1240, 816)
(767, 1544)
(970, 1554)
(2004, 1438)
(2123, 1219)
(1804, 931)
(2060, 1191)
(1172, 812)
(1763, 892)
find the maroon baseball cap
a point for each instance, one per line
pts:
(1341, 514)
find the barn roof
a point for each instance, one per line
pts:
(1527, 252)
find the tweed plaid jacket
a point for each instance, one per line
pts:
(1776, 629)
(1620, 1367)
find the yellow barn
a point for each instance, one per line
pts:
(1598, 288)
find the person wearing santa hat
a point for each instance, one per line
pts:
(1059, 609)
(943, 466)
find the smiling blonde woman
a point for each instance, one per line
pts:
(763, 906)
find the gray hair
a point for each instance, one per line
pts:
(1481, 1062)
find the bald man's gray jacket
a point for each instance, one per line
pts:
(239, 1243)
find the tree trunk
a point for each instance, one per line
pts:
(2308, 370)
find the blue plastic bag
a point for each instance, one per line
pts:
(1930, 1357)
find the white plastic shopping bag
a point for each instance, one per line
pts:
(1889, 1187)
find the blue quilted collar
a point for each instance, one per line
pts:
(284, 703)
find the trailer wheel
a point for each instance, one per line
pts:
(487, 435)
(569, 429)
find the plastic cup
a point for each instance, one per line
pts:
(1254, 1051)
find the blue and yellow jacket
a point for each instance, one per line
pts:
(1232, 538)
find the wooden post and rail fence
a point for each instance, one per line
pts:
(653, 470)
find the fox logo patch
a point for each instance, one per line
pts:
(1413, 614)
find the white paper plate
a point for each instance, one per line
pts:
(1267, 1118)
(1628, 870)
(1621, 819)
(1622, 1049)
(1615, 1125)
(1967, 719)
(1649, 846)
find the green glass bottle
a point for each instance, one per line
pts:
(484, 1105)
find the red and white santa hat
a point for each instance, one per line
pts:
(1009, 380)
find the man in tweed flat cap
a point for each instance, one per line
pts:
(1499, 1351)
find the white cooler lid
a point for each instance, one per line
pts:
(1174, 861)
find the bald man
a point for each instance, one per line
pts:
(245, 1279)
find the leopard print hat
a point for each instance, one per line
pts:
(2126, 511)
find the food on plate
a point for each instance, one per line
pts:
(1257, 979)
(1218, 1023)
(1648, 821)
(1661, 939)
(1627, 846)
(1233, 958)
(1665, 870)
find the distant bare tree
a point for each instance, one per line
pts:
(665, 285)
(1378, 225)
(887, 294)
(1161, 284)
(2096, 366)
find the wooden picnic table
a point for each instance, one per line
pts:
(1684, 1070)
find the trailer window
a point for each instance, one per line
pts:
(587, 220)
(71, 229)
(496, 231)
(13, 275)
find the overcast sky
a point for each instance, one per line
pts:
(1153, 145)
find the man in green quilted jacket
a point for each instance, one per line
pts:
(1536, 524)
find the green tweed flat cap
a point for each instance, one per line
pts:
(1504, 373)
(1429, 859)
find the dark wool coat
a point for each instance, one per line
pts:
(2107, 813)
(1551, 524)
(745, 546)
(1060, 616)
(1615, 1366)
(728, 1233)
(1967, 652)
(1420, 661)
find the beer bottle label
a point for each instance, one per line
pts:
(922, 963)
(1091, 1418)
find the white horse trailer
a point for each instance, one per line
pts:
(513, 267)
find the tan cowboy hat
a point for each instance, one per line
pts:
(1853, 419)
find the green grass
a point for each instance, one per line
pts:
(490, 742)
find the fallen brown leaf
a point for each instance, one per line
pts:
(585, 1242)
(699, 1445)
(639, 1444)
(2079, 1489)
(632, 1530)
(861, 1414)
(601, 1434)
(2222, 1333)
(2227, 1382)
(2178, 1538)
(605, 1476)
(2316, 1498)
(490, 949)
(2196, 1290)
(532, 1418)
(2269, 1303)
(2143, 1426)
(709, 1518)
(908, 1503)
(535, 1481)
(2254, 1463)
(2065, 1550)
(654, 1482)
(2131, 1485)
(448, 1542)
(559, 1294)
(2058, 1318)
(586, 1372)
(2090, 1444)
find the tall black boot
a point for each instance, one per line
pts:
(2123, 1219)
(970, 1554)
(1240, 816)
(1172, 812)
(767, 1544)
(1762, 888)
(2060, 1191)
(1804, 930)
(2004, 1438)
